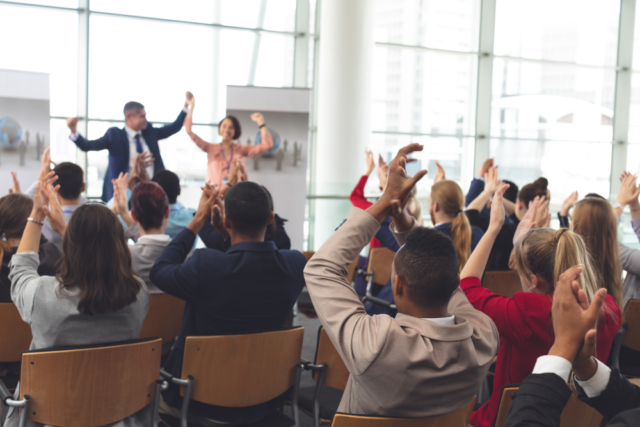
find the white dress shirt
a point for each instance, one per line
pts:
(444, 321)
(562, 367)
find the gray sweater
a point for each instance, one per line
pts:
(55, 320)
(630, 259)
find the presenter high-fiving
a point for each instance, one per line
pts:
(137, 136)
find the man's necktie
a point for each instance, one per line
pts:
(138, 143)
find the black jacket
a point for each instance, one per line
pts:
(501, 250)
(542, 397)
(213, 240)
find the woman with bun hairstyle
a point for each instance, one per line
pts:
(150, 209)
(221, 155)
(595, 220)
(524, 321)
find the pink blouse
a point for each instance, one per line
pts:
(218, 164)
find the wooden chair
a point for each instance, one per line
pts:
(628, 336)
(504, 283)
(457, 418)
(88, 386)
(305, 305)
(308, 254)
(15, 335)
(252, 369)
(575, 414)
(164, 318)
(379, 267)
(328, 370)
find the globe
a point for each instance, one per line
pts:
(276, 142)
(10, 132)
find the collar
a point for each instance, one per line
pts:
(177, 206)
(130, 132)
(459, 331)
(444, 321)
(69, 208)
(154, 237)
(267, 246)
(442, 225)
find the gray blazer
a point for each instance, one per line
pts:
(402, 367)
(143, 255)
(55, 321)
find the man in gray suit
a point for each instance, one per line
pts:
(433, 357)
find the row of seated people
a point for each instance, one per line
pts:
(430, 359)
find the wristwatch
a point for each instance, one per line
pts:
(616, 205)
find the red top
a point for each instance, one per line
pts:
(359, 201)
(526, 333)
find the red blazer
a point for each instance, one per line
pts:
(526, 333)
(359, 201)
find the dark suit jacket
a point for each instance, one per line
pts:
(117, 142)
(213, 240)
(250, 288)
(542, 397)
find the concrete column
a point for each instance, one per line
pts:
(344, 103)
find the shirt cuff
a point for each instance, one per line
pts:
(597, 383)
(480, 178)
(553, 365)
(74, 136)
(185, 109)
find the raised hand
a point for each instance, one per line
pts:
(140, 164)
(485, 167)
(120, 186)
(232, 178)
(41, 195)
(242, 173)
(217, 218)
(543, 218)
(568, 203)
(497, 208)
(54, 212)
(72, 124)
(369, 161)
(45, 163)
(491, 182)
(258, 118)
(16, 184)
(190, 100)
(629, 192)
(383, 172)
(440, 175)
(574, 319)
(528, 221)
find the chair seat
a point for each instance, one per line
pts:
(276, 419)
(304, 303)
(329, 401)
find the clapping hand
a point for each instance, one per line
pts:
(369, 161)
(383, 171)
(16, 184)
(543, 217)
(629, 192)
(485, 167)
(574, 321)
(528, 222)
(440, 175)
(45, 162)
(54, 211)
(497, 208)
(568, 204)
(140, 164)
(217, 217)
(120, 186)
(491, 181)
(190, 100)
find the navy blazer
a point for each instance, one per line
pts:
(213, 240)
(117, 142)
(250, 288)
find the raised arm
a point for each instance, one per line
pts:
(188, 124)
(477, 185)
(359, 338)
(84, 144)
(167, 130)
(266, 142)
(357, 198)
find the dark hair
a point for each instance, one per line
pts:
(132, 107)
(512, 192)
(531, 191)
(273, 227)
(236, 125)
(14, 211)
(97, 261)
(428, 266)
(169, 182)
(70, 178)
(149, 204)
(596, 195)
(248, 208)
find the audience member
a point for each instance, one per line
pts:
(96, 297)
(432, 358)
(150, 210)
(595, 220)
(543, 395)
(250, 288)
(630, 258)
(14, 211)
(524, 321)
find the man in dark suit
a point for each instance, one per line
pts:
(543, 395)
(250, 288)
(138, 136)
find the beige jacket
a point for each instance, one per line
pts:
(402, 367)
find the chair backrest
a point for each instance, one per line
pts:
(308, 254)
(15, 334)
(337, 374)
(242, 370)
(632, 319)
(457, 418)
(351, 270)
(164, 318)
(380, 260)
(92, 386)
(575, 414)
(504, 283)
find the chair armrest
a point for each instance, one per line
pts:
(378, 301)
(173, 380)
(4, 391)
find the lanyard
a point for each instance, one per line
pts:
(224, 156)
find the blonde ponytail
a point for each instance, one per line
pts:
(570, 251)
(450, 198)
